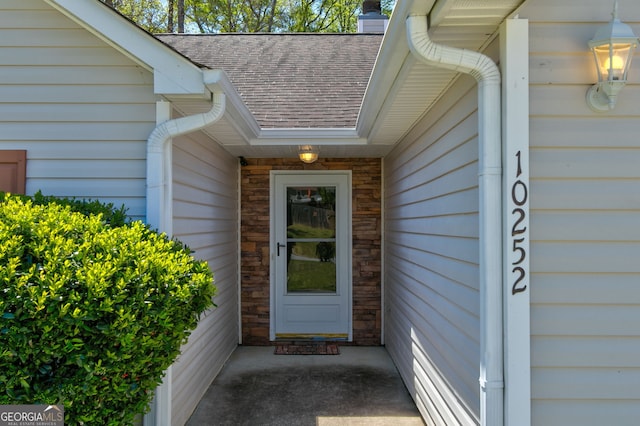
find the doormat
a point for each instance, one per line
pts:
(307, 348)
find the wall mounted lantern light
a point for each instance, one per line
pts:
(612, 47)
(308, 153)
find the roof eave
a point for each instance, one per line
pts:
(243, 120)
(391, 58)
(401, 90)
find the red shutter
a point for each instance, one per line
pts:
(13, 171)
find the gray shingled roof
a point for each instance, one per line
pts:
(296, 80)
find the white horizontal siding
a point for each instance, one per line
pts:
(68, 93)
(605, 351)
(431, 272)
(578, 320)
(67, 56)
(586, 131)
(127, 75)
(577, 383)
(585, 194)
(13, 34)
(553, 412)
(25, 112)
(595, 257)
(21, 14)
(585, 239)
(586, 288)
(71, 150)
(205, 210)
(82, 110)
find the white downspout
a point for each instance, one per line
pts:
(486, 72)
(160, 203)
(159, 196)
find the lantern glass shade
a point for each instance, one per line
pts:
(613, 61)
(613, 46)
(307, 153)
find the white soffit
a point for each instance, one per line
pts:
(408, 102)
(225, 131)
(241, 140)
(471, 12)
(467, 24)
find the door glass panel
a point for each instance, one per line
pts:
(311, 267)
(311, 242)
(311, 212)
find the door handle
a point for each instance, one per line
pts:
(279, 246)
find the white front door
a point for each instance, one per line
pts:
(311, 255)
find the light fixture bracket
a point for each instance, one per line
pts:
(602, 96)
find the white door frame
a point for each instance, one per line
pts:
(347, 198)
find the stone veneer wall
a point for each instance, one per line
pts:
(366, 225)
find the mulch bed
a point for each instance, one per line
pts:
(307, 348)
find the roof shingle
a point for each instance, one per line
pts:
(296, 80)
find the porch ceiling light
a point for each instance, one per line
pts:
(308, 153)
(613, 46)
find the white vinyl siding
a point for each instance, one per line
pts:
(80, 109)
(585, 233)
(431, 244)
(205, 210)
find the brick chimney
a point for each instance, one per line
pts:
(372, 20)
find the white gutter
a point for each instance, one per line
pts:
(159, 194)
(485, 71)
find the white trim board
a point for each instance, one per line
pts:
(514, 63)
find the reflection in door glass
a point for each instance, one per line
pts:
(311, 212)
(311, 267)
(311, 247)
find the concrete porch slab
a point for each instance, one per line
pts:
(360, 386)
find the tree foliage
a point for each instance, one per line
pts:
(232, 16)
(149, 14)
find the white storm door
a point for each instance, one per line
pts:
(311, 255)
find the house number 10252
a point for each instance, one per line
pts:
(519, 195)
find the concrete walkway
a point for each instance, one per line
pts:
(361, 386)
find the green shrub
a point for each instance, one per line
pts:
(111, 215)
(91, 315)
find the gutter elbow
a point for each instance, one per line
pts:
(200, 121)
(157, 138)
(180, 126)
(481, 67)
(159, 197)
(486, 71)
